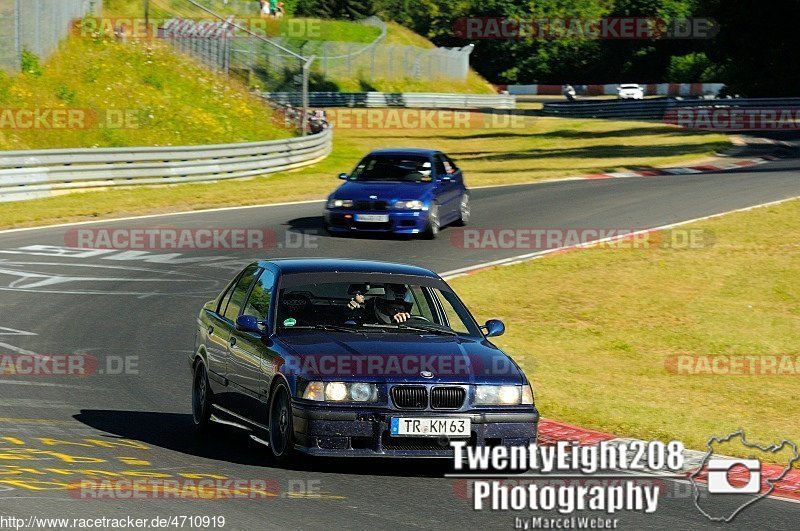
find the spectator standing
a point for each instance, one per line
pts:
(264, 8)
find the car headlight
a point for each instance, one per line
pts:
(527, 395)
(335, 391)
(362, 392)
(314, 391)
(340, 203)
(501, 395)
(409, 205)
(341, 392)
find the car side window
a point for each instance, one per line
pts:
(454, 319)
(449, 165)
(225, 296)
(239, 293)
(421, 305)
(258, 302)
(441, 169)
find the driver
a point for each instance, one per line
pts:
(390, 308)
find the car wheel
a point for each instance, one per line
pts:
(433, 222)
(201, 398)
(464, 211)
(281, 431)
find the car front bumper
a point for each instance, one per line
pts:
(324, 431)
(398, 222)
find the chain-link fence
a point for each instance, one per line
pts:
(37, 26)
(267, 61)
(387, 61)
(239, 46)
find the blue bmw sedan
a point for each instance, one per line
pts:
(400, 191)
(354, 358)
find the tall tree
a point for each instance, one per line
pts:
(757, 46)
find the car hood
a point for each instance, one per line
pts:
(383, 191)
(397, 357)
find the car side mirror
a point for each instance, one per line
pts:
(494, 328)
(343, 176)
(249, 323)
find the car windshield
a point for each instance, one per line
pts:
(398, 168)
(629, 86)
(373, 307)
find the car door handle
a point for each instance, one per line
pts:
(233, 341)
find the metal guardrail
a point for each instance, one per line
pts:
(657, 108)
(429, 100)
(32, 174)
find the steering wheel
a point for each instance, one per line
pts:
(420, 317)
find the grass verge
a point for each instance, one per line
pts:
(535, 149)
(136, 94)
(598, 334)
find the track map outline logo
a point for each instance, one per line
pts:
(707, 461)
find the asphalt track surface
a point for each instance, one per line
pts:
(117, 306)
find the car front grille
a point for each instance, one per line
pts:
(371, 206)
(447, 397)
(415, 443)
(410, 396)
(390, 443)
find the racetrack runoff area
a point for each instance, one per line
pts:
(663, 339)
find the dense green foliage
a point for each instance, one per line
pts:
(751, 52)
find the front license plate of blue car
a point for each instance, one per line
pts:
(372, 218)
(430, 427)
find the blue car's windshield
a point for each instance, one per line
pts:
(375, 306)
(396, 168)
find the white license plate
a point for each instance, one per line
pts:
(430, 427)
(373, 218)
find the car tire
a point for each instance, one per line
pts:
(464, 211)
(432, 229)
(201, 399)
(281, 429)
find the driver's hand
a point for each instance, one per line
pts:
(401, 317)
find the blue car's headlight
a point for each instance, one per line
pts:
(340, 203)
(341, 392)
(503, 395)
(409, 205)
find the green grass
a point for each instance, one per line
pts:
(593, 330)
(170, 99)
(542, 148)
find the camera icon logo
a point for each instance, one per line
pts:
(724, 478)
